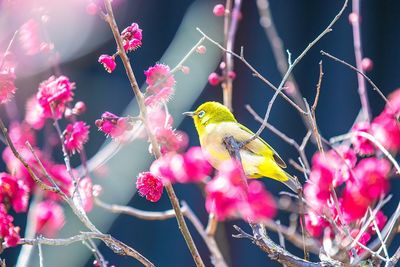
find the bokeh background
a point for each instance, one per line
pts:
(168, 33)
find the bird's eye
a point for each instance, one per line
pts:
(201, 114)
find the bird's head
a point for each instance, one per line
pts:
(208, 113)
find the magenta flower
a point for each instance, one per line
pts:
(108, 62)
(225, 193)
(170, 140)
(34, 114)
(49, 218)
(14, 191)
(75, 136)
(8, 232)
(112, 125)
(7, 87)
(362, 145)
(158, 77)
(132, 37)
(214, 79)
(260, 204)
(149, 186)
(20, 133)
(86, 193)
(219, 10)
(55, 93)
(315, 224)
(386, 129)
(162, 96)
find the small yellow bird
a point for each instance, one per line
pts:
(214, 122)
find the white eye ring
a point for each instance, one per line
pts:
(201, 114)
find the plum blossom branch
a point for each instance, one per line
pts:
(374, 86)
(140, 100)
(291, 67)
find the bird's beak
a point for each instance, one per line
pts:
(188, 113)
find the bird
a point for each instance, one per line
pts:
(214, 122)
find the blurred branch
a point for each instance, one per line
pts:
(355, 23)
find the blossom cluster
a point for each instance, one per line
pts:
(357, 174)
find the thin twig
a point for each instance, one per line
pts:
(253, 70)
(321, 74)
(40, 254)
(291, 67)
(156, 149)
(374, 86)
(378, 233)
(8, 48)
(362, 91)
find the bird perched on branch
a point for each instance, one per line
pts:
(214, 122)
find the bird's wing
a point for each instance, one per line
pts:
(259, 146)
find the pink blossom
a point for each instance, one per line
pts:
(315, 224)
(201, 49)
(20, 133)
(149, 186)
(108, 62)
(8, 232)
(372, 177)
(158, 116)
(158, 77)
(260, 204)
(112, 125)
(49, 218)
(7, 87)
(214, 79)
(55, 93)
(367, 64)
(62, 178)
(385, 128)
(75, 136)
(187, 168)
(132, 37)
(162, 96)
(185, 70)
(34, 114)
(393, 107)
(170, 139)
(14, 191)
(219, 10)
(231, 74)
(92, 8)
(380, 220)
(29, 37)
(362, 145)
(354, 205)
(226, 193)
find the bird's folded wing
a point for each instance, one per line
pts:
(258, 146)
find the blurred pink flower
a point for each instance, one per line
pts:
(49, 218)
(7, 87)
(149, 186)
(8, 232)
(315, 224)
(14, 192)
(385, 128)
(162, 96)
(108, 62)
(365, 237)
(29, 37)
(214, 79)
(55, 92)
(226, 193)
(132, 37)
(380, 220)
(170, 140)
(362, 145)
(112, 125)
(34, 114)
(75, 136)
(20, 133)
(158, 77)
(219, 10)
(260, 203)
